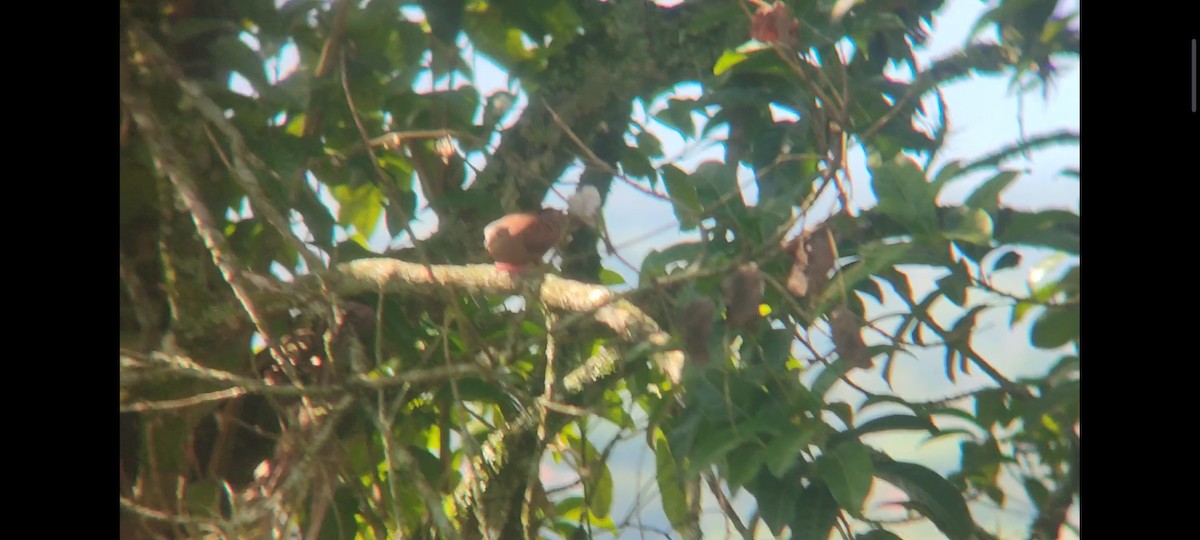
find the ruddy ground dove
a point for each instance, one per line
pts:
(518, 240)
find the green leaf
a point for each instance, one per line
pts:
(727, 60)
(899, 283)
(949, 433)
(905, 195)
(192, 27)
(500, 43)
(883, 398)
(777, 348)
(1069, 284)
(987, 196)
(981, 461)
(340, 523)
(1056, 138)
(635, 164)
(896, 423)
(656, 262)
(996, 494)
(397, 167)
(951, 354)
(947, 173)
(960, 334)
(828, 377)
(931, 495)
(784, 450)
(815, 513)
(746, 466)
(843, 411)
(360, 206)
(445, 18)
(777, 500)
(601, 493)
(1010, 259)
(871, 288)
(874, 258)
(608, 277)
(648, 144)
(569, 504)
(716, 187)
(1037, 491)
(847, 471)
(577, 514)
(1020, 309)
(878, 534)
(678, 116)
(670, 482)
(242, 59)
(1056, 327)
(971, 225)
(203, 497)
(1054, 229)
(684, 199)
(1063, 370)
(711, 448)
(600, 485)
(1043, 285)
(990, 408)
(954, 286)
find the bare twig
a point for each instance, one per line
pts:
(1014, 389)
(891, 114)
(726, 508)
(157, 515)
(143, 406)
(183, 366)
(393, 140)
(789, 57)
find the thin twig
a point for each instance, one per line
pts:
(1006, 384)
(157, 515)
(891, 114)
(726, 508)
(163, 405)
(183, 366)
(384, 182)
(392, 140)
(788, 58)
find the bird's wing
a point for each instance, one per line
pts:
(543, 233)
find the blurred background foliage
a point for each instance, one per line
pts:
(296, 173)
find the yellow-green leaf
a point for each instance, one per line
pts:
(728, 60)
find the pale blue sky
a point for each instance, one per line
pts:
(983, 116)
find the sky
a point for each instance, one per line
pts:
(983, 116)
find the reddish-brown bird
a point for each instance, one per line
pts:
(516, 241)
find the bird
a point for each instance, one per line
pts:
(518, 240)
(696, 319)
(743, 292)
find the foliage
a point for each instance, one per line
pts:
(429, 413)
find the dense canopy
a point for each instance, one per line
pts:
(316, 343)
